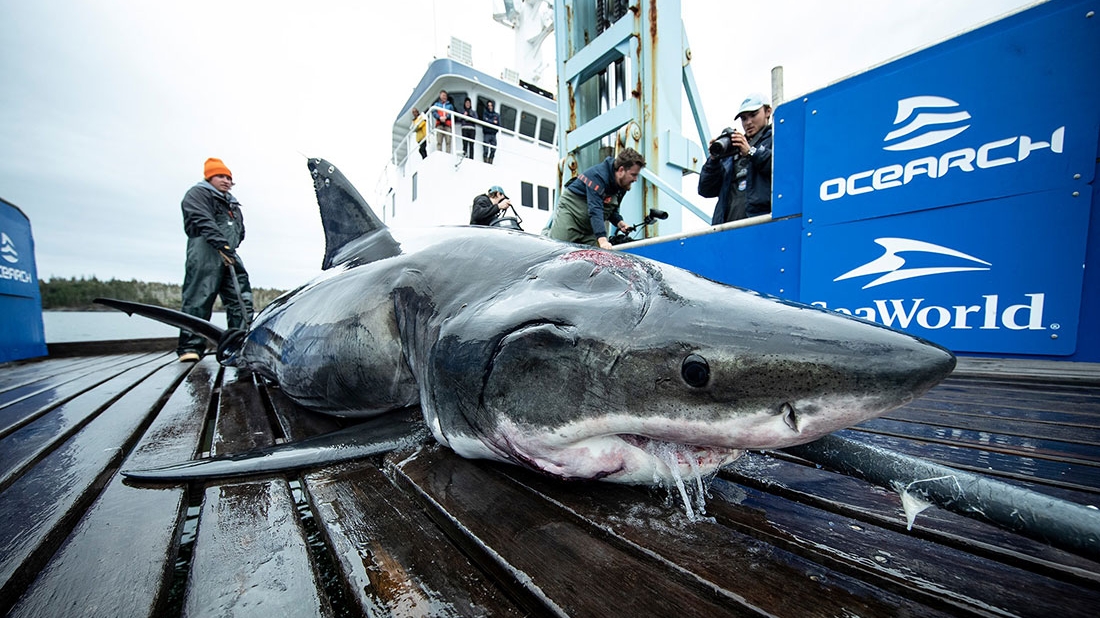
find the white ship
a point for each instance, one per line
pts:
(439, 188)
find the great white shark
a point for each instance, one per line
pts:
(577, 362)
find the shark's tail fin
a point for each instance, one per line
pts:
(199, 326)
(348, 220)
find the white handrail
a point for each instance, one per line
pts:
(430, 121)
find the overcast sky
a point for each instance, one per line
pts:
(108, 109)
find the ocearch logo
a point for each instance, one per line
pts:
(925, 121)
(925, 116)
(985, 314)
(11, 256)
(7, 249)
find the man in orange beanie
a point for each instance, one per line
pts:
(214, 224)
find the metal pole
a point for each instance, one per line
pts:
(240, 297)
(777, 86)
(1065, 525)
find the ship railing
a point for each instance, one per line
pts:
(409, 145)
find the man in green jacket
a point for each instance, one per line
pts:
(214, 224)
(592, 198)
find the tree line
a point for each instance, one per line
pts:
(59, 294)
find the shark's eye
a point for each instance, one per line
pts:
(695, 371)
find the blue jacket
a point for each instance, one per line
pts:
(597, 185)
(442, 118)
(720, 178)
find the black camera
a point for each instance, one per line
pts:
(721, 146)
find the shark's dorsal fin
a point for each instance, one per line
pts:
(352, 230)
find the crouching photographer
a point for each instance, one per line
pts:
(739, 169)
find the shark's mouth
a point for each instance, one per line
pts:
(682, 455)
(622, 457)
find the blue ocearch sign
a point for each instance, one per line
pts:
(17, 271)
(1000, 276)
(997, 112)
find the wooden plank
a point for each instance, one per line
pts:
(19, 375)
(1084, 455)
(94, 348)
(1082, 403)
(395, 561)
(1064, 417)
(930, 573)
(39, 509)
(1076, 483)
(115, 562)
(775, 581)
(858, 499)
(32, 441)
(242, 423)
(250, 556)
(25, 410)
(1027, 432)
(1026, 369)
(545, 558)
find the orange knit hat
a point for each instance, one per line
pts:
(213, 167)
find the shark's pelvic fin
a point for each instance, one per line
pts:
(375, 436)
(199, 326)
(347, 219)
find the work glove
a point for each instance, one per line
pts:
(229, 256)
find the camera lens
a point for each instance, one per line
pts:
(721, 145)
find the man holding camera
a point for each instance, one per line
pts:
(488, 206)
(739, 169)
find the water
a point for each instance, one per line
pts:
(66, 326)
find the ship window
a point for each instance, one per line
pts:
(507, 117)
(546, 131)
(457, 99)
(544, 198)
(414, 187)
(527, 124)
(527, 194)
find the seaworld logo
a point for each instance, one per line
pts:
(903, 313)
(925, 123)
(891, 265)
(921, 128)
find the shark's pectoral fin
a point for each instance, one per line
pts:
(376, 436)
(171, 317)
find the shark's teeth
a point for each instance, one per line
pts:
(686, 454)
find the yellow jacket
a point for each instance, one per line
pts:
(421, 127)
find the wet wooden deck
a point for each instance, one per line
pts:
(424, 532)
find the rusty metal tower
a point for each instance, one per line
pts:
(622, 68)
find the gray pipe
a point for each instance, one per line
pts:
(1066, 525)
